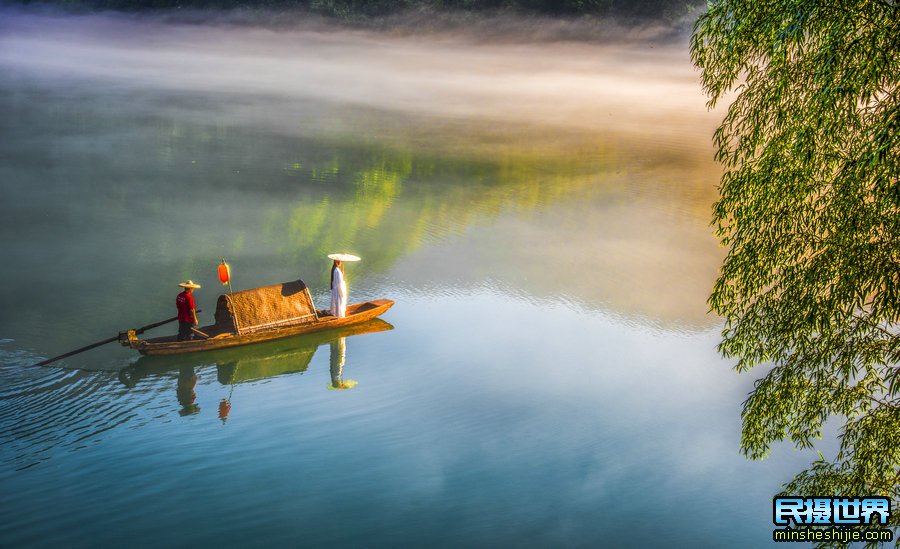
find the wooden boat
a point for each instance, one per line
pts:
(256, 315)
(239, 364)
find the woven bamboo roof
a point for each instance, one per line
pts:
(266, 307)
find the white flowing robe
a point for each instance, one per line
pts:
(338, 294)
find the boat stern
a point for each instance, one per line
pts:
(129, 339)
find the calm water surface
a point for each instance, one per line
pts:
(539, 213)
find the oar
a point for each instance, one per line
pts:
(196, 331)
(140, 330)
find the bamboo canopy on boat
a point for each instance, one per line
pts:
(266, 307)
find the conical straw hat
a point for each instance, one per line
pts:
(189, 284)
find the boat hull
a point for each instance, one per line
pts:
(357, 313)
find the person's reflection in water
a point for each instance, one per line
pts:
(338, 357)
(187, 396)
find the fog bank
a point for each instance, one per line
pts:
(636, 86)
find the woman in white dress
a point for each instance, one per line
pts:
(338, 290)
(339, 284)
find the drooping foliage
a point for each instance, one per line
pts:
(809, 211)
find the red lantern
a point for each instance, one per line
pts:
(224, 273)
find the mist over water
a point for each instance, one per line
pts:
(538, 208)
(637, 88)
(582, 116)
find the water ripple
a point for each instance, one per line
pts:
(46, 409)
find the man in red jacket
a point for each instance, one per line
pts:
(187, 312)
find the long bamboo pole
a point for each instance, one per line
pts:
(140, 330)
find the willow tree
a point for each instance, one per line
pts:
(809, 212)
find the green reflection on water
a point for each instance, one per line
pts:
(115, 195)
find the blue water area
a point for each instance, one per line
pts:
(539, 426)
(539, 213)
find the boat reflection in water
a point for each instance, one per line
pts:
(243, 364)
